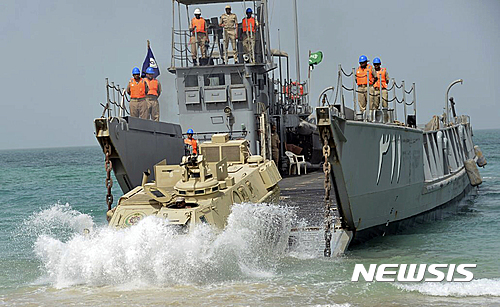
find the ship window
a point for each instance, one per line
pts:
(191, 81)
(214, 79)
(236, 78)
(197, 192)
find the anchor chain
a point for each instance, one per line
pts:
(108, 166)
(328, 185)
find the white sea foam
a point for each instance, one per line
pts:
(477, 287)
(59, 220)
(151, 253)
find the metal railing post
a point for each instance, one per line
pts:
(380, 105)
(341, 89)
(120, 107)
(394, 101)
(368, 109)
(414, 101)
(354, 91)
(404, 101)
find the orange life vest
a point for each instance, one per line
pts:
(153, 86)
(137, 89)
(248, 24)
(199, 24)
(361, 75)
(381, 76)
(193, 144)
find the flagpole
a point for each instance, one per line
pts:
(149, 45)
(309, 81)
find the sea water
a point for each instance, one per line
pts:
(49, 196)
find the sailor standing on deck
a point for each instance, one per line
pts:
(191, 142)
(229, 22)
(137, 89)
(154, 92)
(362, 73)
(383, 77)
(248, 25)
(199, 36)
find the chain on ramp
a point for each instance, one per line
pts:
(327, 168)
(108, 166)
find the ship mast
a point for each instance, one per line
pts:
(297, 55)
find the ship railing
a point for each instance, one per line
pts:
(446, 149)
(182, 55)
(292, 97)
(385, 115)
(117, 99)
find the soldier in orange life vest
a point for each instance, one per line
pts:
(191, 142)
(137, 89)
(363, 73)
(153, 93)
(383, 76)
(199, 36)
(249, 25)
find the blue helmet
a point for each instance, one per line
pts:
(136, 71)
(150, 70)
(190, 131)
(249, 10)
(377, 61)
(363, 58)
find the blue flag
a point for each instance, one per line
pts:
(150, 61)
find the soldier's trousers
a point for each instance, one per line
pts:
(362, 97)
(230, 36)
(139, 107)
(200, 42)
(249, 45)
(276, 156)
(153, 107)
(376, 98)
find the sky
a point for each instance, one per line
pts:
(55, 56)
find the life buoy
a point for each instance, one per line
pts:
(290, 90)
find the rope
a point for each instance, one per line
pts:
(345, 74)
(349, 89)
(397, 85)
(409, 92)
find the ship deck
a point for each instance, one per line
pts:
(305, 193)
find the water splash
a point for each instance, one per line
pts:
(60, 220)
(251, 246)
(478, 287)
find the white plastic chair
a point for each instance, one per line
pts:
(297, 160)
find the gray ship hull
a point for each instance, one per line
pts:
(388, 174)
(137, 145)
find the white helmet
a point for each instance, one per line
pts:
(197, 12)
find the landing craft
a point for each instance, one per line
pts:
(380, 174)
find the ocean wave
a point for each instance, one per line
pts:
(151, 253)
(477, 287)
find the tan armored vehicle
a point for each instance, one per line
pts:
(202, 188)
